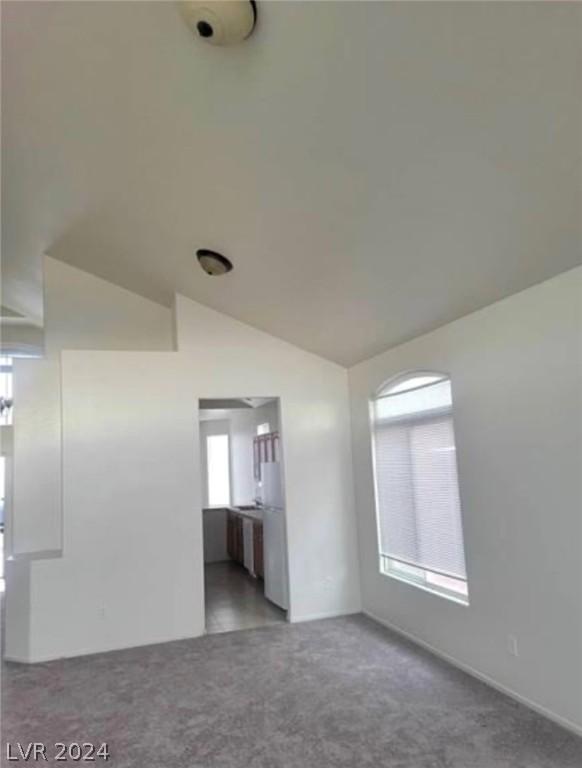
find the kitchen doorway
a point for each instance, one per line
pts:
(244, 514)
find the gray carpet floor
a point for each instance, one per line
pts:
(340, 693)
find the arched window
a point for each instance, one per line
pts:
(418, 508)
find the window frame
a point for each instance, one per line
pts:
(390, 566)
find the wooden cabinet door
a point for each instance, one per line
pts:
(239, 540)
(230, 549)
(258, 549)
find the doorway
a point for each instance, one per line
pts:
(244, 516)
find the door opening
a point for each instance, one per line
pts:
(244, 517)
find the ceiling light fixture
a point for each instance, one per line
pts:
(213, 263)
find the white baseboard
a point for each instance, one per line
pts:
(540, 709)
(16, 659)
(97, 650)
(317, 616)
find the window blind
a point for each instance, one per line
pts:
(417, 494)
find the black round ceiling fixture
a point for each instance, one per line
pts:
(213, 263)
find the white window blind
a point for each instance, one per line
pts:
(417, 494)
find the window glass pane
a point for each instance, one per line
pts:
(445, 582)
(411, 383)
(436, 497)
(418, 401)
(6, 389)
(263, 429)
(218, 470)
(417, 493)
(421, 577)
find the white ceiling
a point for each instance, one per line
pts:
(373, 170)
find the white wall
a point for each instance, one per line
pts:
(21, 339)
(37, 527)
(131, 573)
(131, 570)
(230, 359)
(17, 610)
(82, 311)
(516, 370)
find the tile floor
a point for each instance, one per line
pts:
(234, 600)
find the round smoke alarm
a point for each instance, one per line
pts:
(220, 22)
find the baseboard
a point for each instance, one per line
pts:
(16, 659)
(43, 658)
(540, 709)
(323, 615)
(27, 557)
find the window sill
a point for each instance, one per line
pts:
(459, 599)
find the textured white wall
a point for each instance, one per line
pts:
(131, 572)
(37, 526)
(132, 491)
(516, 371)
(230, 359)
(83, 312)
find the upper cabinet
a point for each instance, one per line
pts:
(266, 448)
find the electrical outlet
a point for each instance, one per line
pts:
(512, 646)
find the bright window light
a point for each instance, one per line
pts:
(264, 429)
(6, 388)
(218, 463)
(417, 495)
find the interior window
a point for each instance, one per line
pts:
(5, 390)
(417, 494)
(218, 466)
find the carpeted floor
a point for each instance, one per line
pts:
(340, 693)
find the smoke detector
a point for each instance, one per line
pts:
(220, 22)
(213, 263)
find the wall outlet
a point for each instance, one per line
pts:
(512, 646)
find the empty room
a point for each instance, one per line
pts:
(291, 384)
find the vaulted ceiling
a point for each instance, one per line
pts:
(373, 170)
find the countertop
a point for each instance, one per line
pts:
(252, 514)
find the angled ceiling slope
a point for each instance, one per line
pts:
(373, 170)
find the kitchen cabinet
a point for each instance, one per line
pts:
(266, 448)
(235, 542)
(234, 538)
(258, 549)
